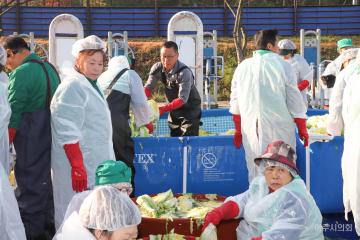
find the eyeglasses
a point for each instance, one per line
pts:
(127, 190)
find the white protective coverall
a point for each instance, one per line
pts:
(11, 226)
(264, 92)
(129, 83)
(5, 113)
(345, 113)
(302, 72)
(78, 114)
(335, 120)
(75, 203)
(72, 228)
(288, 213)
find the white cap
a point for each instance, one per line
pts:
(91, 42)
(286, 44)
(3, 55)
(106, 208)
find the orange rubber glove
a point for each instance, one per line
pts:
(12, 133)
(237, 136)
(147, 92)
(303, 84)
(303, 134)
(226, 211)
(78, 171)
(175, 104)
(150, 127)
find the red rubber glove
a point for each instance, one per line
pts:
(78, 172)
(175, 104)
(237, 136)
(12, 133)
(303, 84)
(150, 127)
(256, 238)
(303, 134)
(147, 92)
(226, 211)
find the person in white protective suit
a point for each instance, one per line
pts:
(303, 73)
(265, 101)
(106, 214)
(109, 173)
(344, 114)
(81, 125)
(333, 68)
(335, 120)
(5, 113)
(277, 204)
(11, 226)
(123, 90)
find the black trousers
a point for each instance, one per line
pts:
(33, 174)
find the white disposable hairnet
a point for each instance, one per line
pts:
(3, 57)
(106, 208)
(91, 42)
(286, 44)
(265, 163)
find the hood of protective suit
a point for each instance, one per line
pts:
(119, 62)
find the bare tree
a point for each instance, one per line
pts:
(239, 35)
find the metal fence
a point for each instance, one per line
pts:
(173, 3)
(152, 22)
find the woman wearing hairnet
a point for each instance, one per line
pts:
(287, 49)
(81, 125)
(106, 214)
(344, 114)
(277, 204)
(123, 89)
(5, 113)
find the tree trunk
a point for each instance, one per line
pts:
(239, 35)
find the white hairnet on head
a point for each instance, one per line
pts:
(286, 44)
(265, 163)
(91, 42)
(119, 62)
(3, 57)
(106, 208)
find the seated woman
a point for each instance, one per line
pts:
(106, 214)
(276, 205)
